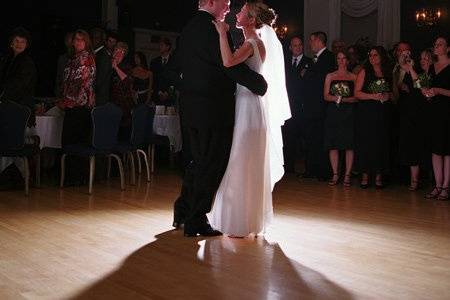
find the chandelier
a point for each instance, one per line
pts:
(428, 16)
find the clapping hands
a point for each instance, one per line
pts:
(221, 27)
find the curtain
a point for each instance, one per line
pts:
(388, 32)
(359, 8)
(334, 20)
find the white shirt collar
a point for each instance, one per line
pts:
(99, 48)
(320, 52)
(297, 58)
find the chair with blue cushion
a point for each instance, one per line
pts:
(13, 122)
(139, 119)
(105, 126)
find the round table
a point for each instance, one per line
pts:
(169, 125)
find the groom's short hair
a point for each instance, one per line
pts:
(322, 36)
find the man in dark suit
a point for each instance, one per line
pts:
(295, 65)
(103, 49)
(207, 109)
(161, 86)
(314, 106)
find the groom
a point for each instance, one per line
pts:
(207, 111)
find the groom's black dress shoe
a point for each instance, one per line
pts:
(178, 224)
(204, 231)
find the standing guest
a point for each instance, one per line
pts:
(104, 47)
(314, 107)
(18, 74)
(354, 59)
(374, 92)
(337, 46)
(78, 98)
(295, 66)
(411, 106)
(122, 89)
(439, 121)
(339, 122)
(143, 78)
(161, 87)
(63, 59)
(78, 91)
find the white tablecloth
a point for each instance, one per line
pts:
(49, 130)
(169, 125)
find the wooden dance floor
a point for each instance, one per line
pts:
(325, 243)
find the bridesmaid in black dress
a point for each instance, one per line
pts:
(374, 92)
(439, 121)
(412, 107)
(339, 121)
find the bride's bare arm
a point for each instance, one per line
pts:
(229, 58)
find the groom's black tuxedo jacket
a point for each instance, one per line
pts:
(207, 88)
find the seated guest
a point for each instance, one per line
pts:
(18, 78)
(373, 124)
(78, 91)
(439, 120)
(143, 78)
(122, 89)
(161, 87)
(339, 121)
(62, 62)
(18, 74)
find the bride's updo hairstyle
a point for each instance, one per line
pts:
(262, 13)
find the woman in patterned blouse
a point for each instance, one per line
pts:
(78, 91)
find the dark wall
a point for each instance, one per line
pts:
(422, 37)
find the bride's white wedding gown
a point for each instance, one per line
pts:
(243, 202)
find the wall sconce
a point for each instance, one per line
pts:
(428, 16)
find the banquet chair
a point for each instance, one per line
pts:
(13, 122)
(105, 126)
(139, 117)
(153, 139)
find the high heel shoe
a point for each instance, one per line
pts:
(334, 181)
(364, 184)
(435, 192)
(347, 180)
(414, 186)
(443, 195)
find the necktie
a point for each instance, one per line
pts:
(315, 58)
(294, 63)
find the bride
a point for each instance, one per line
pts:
(243, 202)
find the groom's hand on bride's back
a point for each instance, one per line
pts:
(262, 86)
(243, 75)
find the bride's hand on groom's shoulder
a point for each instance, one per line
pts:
(221, 27)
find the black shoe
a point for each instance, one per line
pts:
(178, 224)
(364, 185)
(206, 230)
(209, 231)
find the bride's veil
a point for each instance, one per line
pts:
(275, 101)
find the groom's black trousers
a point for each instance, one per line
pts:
(210, 148)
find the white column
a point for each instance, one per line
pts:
(110, 14)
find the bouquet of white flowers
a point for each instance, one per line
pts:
(423, 81)
(379, 86)
(340, 89)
